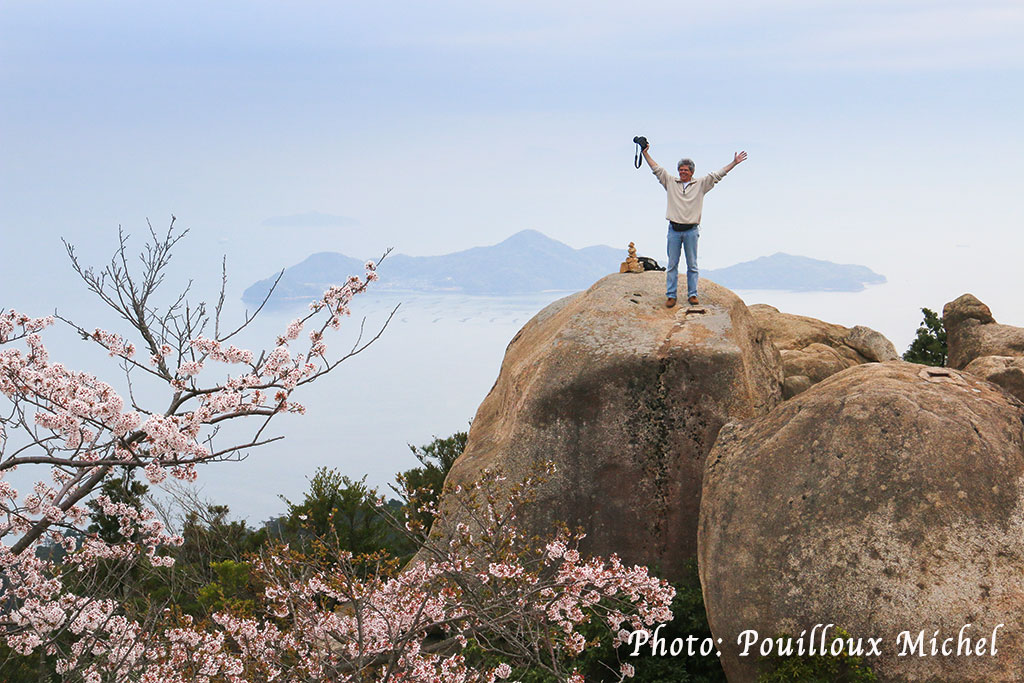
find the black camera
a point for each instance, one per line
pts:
(642, 141)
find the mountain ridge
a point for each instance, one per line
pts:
(528, 262)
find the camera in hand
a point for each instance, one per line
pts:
(641, 144)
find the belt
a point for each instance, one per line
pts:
(682, 227)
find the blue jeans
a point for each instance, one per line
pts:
(685, 241)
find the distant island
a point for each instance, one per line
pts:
(794, 274)
(530, 262)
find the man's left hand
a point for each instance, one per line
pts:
(738, 157)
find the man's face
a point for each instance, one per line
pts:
(685, 174)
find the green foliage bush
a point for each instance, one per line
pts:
(842, 668)
(235, 589)
(342, 509)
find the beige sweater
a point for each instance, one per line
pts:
(685, 205)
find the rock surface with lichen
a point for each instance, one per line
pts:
(888, 497)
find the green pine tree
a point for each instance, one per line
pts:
(929, 347)
(339, 508)
(421, 485)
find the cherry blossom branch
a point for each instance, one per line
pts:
(72, 421)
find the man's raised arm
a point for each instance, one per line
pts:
(650, 162)
(737, 158)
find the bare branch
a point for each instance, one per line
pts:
(249, 318)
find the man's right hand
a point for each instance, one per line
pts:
(647, 156)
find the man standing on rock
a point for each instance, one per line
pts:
(685, 201)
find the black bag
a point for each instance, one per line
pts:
(648, 263)
(682, 227)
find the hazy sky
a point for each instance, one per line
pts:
(874, 128)
(885, 133)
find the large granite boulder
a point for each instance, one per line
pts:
(813, 350)
(983, 347)
(972, 332)
(626, 398)
(887, 498)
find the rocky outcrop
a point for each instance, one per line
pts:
(900, 508)
(972, 332)
(626, 397)
(1006, 371)
(983, 347)
(813, 350)
(872, 345)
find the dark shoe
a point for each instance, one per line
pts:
(693, 301)
(670, 302)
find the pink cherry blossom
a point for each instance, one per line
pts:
(317, 622)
